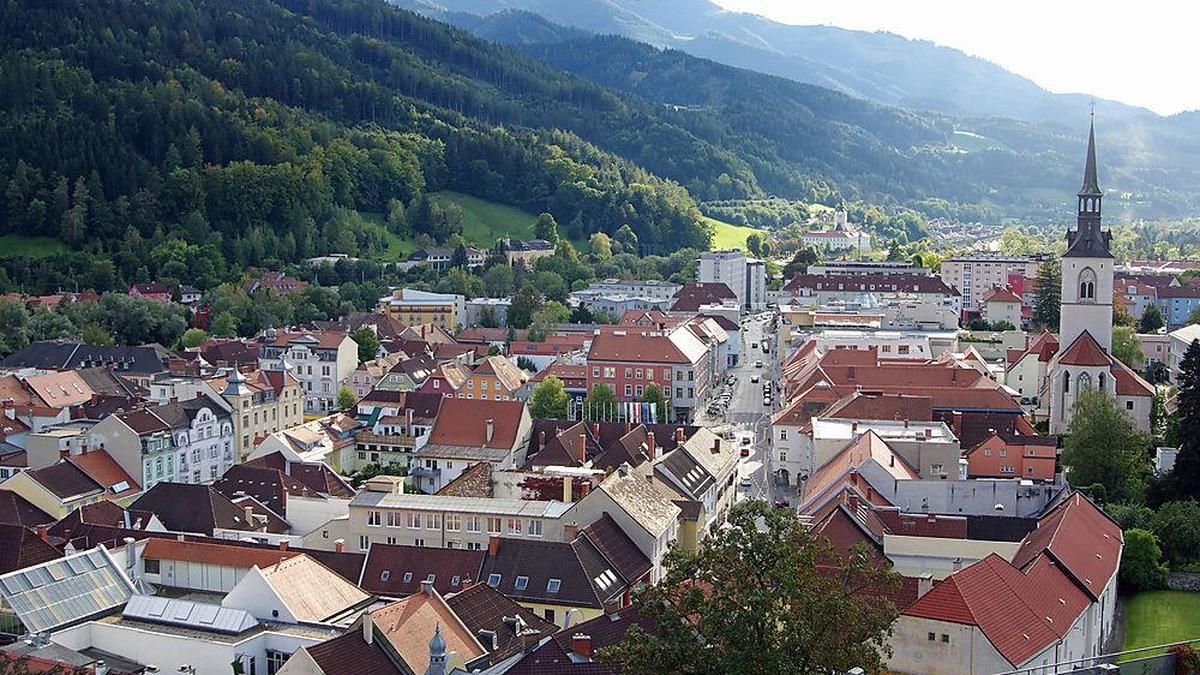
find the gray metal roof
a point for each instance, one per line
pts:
(422, 502)
(195, 615)
(65, 591)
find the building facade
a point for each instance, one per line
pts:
(322, 361)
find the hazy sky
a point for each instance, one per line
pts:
(1144, 53)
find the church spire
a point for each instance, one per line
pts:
(1087, 240)
(1091, 185)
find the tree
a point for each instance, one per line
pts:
(628, 240)
(600, 403)
(1048, 297)
(545, 227)
(1121, 315)
(14, 327)
(1103, 447)
(601, 246)
(367, 341)
(799, 263)
(224, 324)
(662, 405)
(524, 304)
(1125, 346)
(346, 399)
(94, 334)
(1187, 411)
(1152, 319)
(550, 400)
(763, 595)
(1177, 525)
(1141, 561)
(192, 338)
(754, 244)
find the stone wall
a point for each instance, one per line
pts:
(1183, 581)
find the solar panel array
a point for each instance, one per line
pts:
(196, 615)
(64, 591)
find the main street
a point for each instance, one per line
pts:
(748, 416)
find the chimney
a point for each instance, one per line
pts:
(43, 532)
(570, 531)
(493, 545)
(427, 587)
(180, 537)
(490, 426)
(854, 427)
(924, 584)
(248, 511)
(678, 434)
(596, 429)
(566, 496)
(408, 421)
(581, 644)
(582, 448)
(368, 628)
(652, 450)
(627, 427)
(339, 545)
(541, 439)
(283, 545)
(716, 444)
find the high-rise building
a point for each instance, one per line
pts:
(746, 277)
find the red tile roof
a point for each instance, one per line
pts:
(697, 293)
(462, 422)
(998, 294)
(214, 554)
(398, 571)
(21, 548)
(16, 510)
(1080, 538)
(1084, 351)
(635, 345)
(1128, 382)
(864, 405)
(349, 654)
(102, 468)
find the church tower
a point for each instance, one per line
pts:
(1087, 266)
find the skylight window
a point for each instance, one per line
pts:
(385, 575)
(522, 583)
(493, 580)
(553, 585)
(408, 577)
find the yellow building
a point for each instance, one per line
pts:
(413, 308)
(263, 402)
(494, 378)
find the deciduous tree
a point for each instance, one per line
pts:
(1103, 447)
(763, 595)
(601, 403)
(550, 399)
(1141, 561)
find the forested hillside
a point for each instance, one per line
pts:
(219, 134)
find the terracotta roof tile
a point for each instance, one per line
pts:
(213, 553)
(482, 608)
(102, 468)
(462, 422)
(349, 654)
(397, 571)
(1084, 351)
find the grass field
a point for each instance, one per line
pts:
(20, 246)
(1159, 617)
(726, 235)
(484, 222)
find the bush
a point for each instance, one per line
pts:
(1141, 563)
(1130, 516)
(1177, 525)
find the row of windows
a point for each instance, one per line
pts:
(455, 522)
(364, 543)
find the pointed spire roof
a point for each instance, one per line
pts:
(1091, 184)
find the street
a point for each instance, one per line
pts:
(748, 416)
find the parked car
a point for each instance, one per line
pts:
(746, 482)
(758, 364)
(745, 440)
(753, 379)
(745, 452)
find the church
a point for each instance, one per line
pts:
(1085, 359)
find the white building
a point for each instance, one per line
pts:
(322, 360)
(1180, 340)
(975, 275)
(746, 277)
(188, 441)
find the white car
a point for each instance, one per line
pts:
(758, 364)
(746, 482)
(754, 379)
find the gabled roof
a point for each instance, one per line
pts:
(631, 491)
(1078, 536)
(62, 592)
(463, 422)
(1084, 351)
(213, 553)
(693, 294)
(476, 481)
(1020, 613)
(527, 568)
(16, 510)
(617, 548)
(21, 548)
(1128, 382)
(482, 608)
(269, 486)
(187, 507)
(64, 480)
(312, 592)
(350, 654)
(408, 625)
(503, 370)
(1001, 294)
(104, 470)
(873, 405)
(397, 571)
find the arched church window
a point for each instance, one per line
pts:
(1087, 285)
(1085, 382)
(1066, 383)
(1101, 380)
